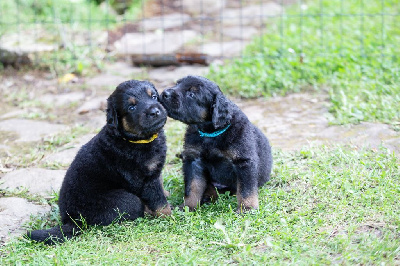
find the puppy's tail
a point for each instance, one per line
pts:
(57, 234)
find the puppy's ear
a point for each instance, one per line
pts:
(221, 113)
(112, 117)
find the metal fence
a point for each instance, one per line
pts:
(162, 32)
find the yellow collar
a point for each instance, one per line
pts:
(145, 140)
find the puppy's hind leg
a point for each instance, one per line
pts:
(247, 188)
(195, 183)
(116, 205)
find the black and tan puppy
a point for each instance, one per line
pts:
(222, 149)
(118, 172)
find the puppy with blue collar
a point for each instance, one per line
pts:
(223, 150)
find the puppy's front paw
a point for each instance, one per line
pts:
(191, 203)
(164, 211)
(247, 204)
(245, 209)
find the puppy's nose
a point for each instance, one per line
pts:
(166, 94)
(154, 112)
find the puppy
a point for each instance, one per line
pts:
(222, 149)
(117, 173)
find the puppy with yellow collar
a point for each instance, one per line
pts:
(117, 174)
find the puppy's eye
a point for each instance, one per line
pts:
(190, 94)
(154, 97)
(131, 107)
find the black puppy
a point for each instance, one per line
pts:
(222, 148)
(117, 173)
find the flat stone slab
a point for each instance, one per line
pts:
(364, 134)
(19, 113)
(93, 121)
(241, 33)
(4, 152)
(255, 15)
(62, 99)
(153, 43)
(202, 6)
(106, 80)
(166, 21)
(167, 76)
(98, 103)
(67, 153)
(122, 69)
(13, 213)
(223, 49)
(36, 180)
(30, 130)
(301, 119)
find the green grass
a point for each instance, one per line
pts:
(329, 46)
(322, 205)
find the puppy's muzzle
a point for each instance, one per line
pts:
(166, 95)
(170, 99)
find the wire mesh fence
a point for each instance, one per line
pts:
(71, 34)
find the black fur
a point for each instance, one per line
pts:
(111, 177)
(238, 160)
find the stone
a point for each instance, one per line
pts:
(94, 38)
(17, 51)
(241, 33)
(14, 58)
(98, 103)
(14, 212)
(255, 15)
(4, 152)
(301, 119)
(164, 22)
(106, 80)
(94, 121)
(123, 69)
(153, 43)
(30, 130)
(364, 134)
(20, 113)
(167, 76)
(223, 49)
(202, 6)
(67, 153)
(62, 99)
(36, 180)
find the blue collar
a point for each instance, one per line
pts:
(214, 134)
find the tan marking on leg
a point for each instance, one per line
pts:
(148, 91)
(148, 211)
(248, 203)
(164, 211)
(197, 188)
